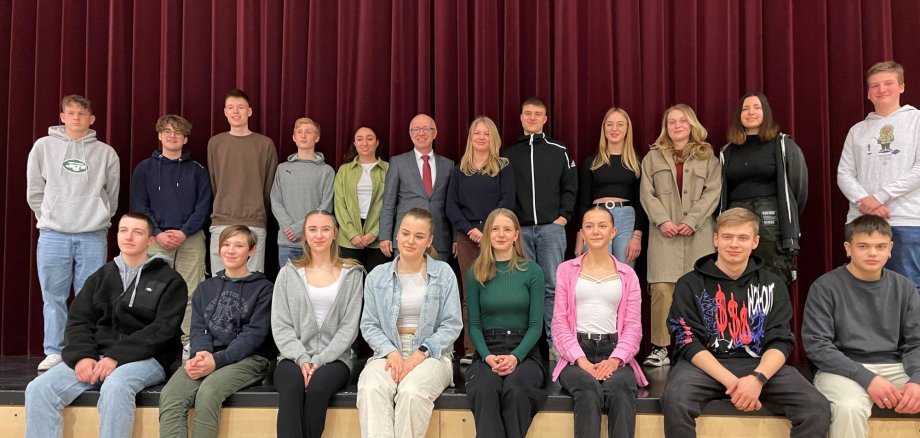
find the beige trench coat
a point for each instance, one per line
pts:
(670, 258)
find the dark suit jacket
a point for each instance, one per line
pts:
(404, 190)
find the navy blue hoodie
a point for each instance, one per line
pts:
(231, 318)
(176, 194)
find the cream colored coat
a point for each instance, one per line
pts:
(693, 204)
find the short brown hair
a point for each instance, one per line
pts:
(141, 217)
(867, 224)
(307, 121)
(236, 92)
(177, 122)
(535, 101)
(738, 216)
(77, 99)
(233, 230)
(886, 66)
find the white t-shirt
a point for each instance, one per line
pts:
(323, 298)
(413, 296)
(596, 305)
(365, 189)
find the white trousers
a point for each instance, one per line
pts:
(413, 397)
(850, 403)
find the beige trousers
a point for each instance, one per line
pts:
(850, 403)
(662, 295)
(188, 261)
(413, 397)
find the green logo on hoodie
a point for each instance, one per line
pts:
(74, 165)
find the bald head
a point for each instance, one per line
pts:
(423, 131)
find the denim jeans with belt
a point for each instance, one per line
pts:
(505, 406)
(615, 396)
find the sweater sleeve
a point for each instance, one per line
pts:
(474, 314)
(452, 205)
(35, 180)
(328, 190)
(348, 327)
(910, 328)
(251, 335)
(277, 200)
(140, 199)
(777, 333)
(537, 291)
(112, 181)
(282, 321)
(150, 340)
(199, 338)
(685, 321)
(196, 220)
(508, 190)
(846, 171)
(818, 334)
(568, 189)
(79, 334)
(269, 167)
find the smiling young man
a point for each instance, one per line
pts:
(730, 323)
(72, 187)
(122, 335)
(879, 170)
(862, 330)
(242, 166)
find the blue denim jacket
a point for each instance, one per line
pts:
(440, 321)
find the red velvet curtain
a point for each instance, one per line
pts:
(378, 63)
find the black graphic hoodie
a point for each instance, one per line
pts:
(731, 318)
(231, 318)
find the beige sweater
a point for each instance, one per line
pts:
(242, 170)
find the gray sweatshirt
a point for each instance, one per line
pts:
(881, 157)
(294, 323)
(72, 185)
(849, 322)
(300, 187)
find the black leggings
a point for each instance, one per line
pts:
(302, 411)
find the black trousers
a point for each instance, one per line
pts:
(302, 411)
(505, 406)
(370, 258)
(616, 396)
(689, 389)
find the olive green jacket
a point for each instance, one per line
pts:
(347, 211)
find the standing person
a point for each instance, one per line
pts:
(359, 200)
(681, 183)
(862, 331)
(764, 171)
(72, 187)
(315, 317)
(546, 187)
(597, 325)
(879, 170)
(122, 334)
(413, 181)
(730, 321)
(411, 319)
(302, 184)
(610, 178)
(505, 297)
(242, 166)
(175, 191)
(482, 182)
(230, 343)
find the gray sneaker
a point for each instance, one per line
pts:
(553, 354)
(50, 361)
(186, 352)
(467, 359)
(658, 358)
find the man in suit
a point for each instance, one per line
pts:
(417, 178)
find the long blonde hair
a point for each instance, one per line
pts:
(484, 266)
(628, 158)
(697, 147)
(495, 163)
(307, 258)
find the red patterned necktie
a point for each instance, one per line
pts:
(426, 175)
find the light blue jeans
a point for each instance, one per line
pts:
(905, 255)
(49, 393)
(545, 244)
(624, 218)
(286, 253)
(64, 260)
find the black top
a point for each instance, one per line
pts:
(470, 198)
(750, 170)
(544, 177)
(614, 181)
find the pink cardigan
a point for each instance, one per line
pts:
(629, 319)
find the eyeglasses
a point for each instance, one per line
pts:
(416, 131)
(170, 133)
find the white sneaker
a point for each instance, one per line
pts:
(467, 360)
(50, 361)
(186, 352)
(658, 358)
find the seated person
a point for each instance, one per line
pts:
(229, 343)
(122, 333)
(730, 323)
(862, 330)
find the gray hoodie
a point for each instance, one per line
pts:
(300, 187)
(294, 322)
(72, 185)
(128, 274)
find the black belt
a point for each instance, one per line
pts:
(613, 204)
(597, 336)
(503, 332)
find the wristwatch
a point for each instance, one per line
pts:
(760, 377)
(424, 350)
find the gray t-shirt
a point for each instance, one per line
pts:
(849, 322)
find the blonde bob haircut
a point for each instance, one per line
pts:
(495, 163)
(307, 258)
(629, 158)
(696, 148)
(484, 266)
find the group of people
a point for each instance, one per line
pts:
(365, 249)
